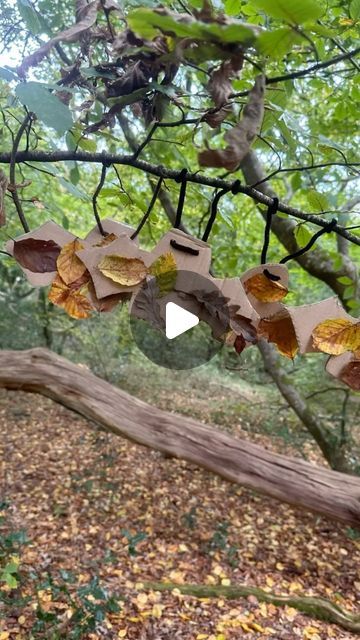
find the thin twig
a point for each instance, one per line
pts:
(12, 172)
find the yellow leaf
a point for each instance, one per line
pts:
(165, 271)
(69, 266)
(4, 635)
(335, 336)
(157, 610)
(201, 636)
(225, 582)
(269, 581)
(71, 300)
(141, 599)
(280, 330)
(125, 271)
(21, 620)
(122, 633)
(264, 289)
(220, 636)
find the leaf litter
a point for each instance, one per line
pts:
(85, 496)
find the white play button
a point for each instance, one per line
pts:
(178, 320)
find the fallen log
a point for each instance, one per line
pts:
(291, 480)
(315, 607)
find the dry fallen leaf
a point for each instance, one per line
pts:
(70, 299)
(350, 375)
(265, 289)
(279, 329)
(125, 271)
(337, 335)
(69, 266)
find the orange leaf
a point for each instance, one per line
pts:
(106, 240)
(69, 266)
(71, 300)
(280, 330)
(125, 271)
(335, 336)
(264, 289)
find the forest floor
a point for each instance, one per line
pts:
(93, 504)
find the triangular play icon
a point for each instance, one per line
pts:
(178, 320)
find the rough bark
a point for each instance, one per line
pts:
(317, 262)
(294, 481)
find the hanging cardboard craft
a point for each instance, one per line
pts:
(110, 226)
(346, 368)
(266, 309)
(48, 231)
(306, 317)
(92, 256)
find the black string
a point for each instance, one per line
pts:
(272, 209)
(184, 248)
(95, 196)
(150, 208)
(213, 212)
(181, 178)
(329, 227)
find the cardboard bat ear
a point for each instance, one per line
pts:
(346, 368)
(110, 226)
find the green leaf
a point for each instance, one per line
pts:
(317, 201)
(87, 145)
(294, 11)
(7, 75)
(345, 280)
(73, 189)
(48, 108)
(29, 16)
(302, 235)
(146, 22)
(232, 7)
(355, 9)
(276, 44)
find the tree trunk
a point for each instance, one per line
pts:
(328, 443)
(295, 481)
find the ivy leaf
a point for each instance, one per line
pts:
(335, 336)
(165, 271)
(69, 266)
(125, 271)
(38, 256)
(295, 12)
(47, 106)
(264, 289)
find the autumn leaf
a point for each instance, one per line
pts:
(265, 289)
(335, 336)
(125, 271)
(38, 256)
(69, 266)
(165, 271)
(240, 138)
(106, 240)
(239, 344)
(220, 89)
(280, 330)
(350, 375)
(70, 299)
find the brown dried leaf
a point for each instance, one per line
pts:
(239, 344)
(125, 271)
(241, 137)
(107, 240)
(69, 266)
(335, 336)
(3, 187)
(71, 300)
(85, 19)
(280, 330)
(220, 88)
(38, 256)
(265, 289)
(350, 375)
